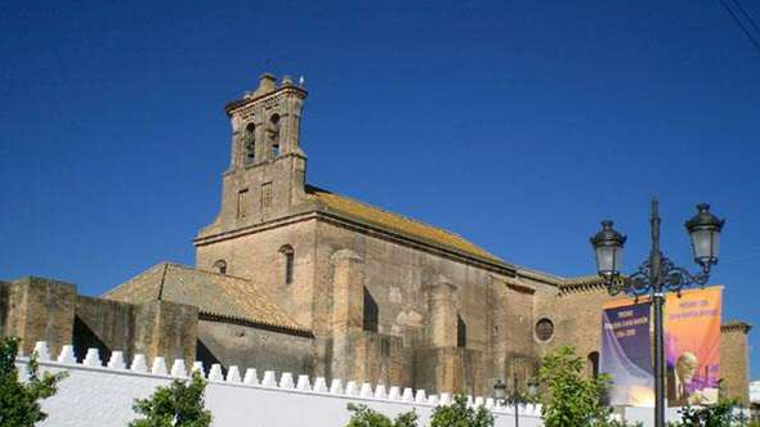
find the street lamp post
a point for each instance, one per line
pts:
(515, 398)
(658, 275)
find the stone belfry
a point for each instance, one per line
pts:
(266, 176)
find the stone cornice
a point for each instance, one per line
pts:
(256, 228)
(736, 326)
(242, 102)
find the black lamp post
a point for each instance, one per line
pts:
(658, 275)
(515, 398)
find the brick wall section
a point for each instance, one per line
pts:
(577, 318)
(166, 328)
(111, 321)
(456, 370)
(257, 257)
(734, 360)
(40, 310)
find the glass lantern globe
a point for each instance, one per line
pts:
(608, 250)
(704, 229)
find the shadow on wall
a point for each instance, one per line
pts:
(205, 356)
(84, 338)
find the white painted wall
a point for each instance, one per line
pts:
(93, 395)
(754, 392)
(102, 396)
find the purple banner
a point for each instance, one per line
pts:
(626, 356)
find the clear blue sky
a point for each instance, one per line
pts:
(518, 124)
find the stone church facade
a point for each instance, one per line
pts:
(296, 278)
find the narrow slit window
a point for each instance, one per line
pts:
(289, 261)
(371, 313)
(461, 332)
(243, 203)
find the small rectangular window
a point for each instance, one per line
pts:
(289, 268)
(243, 203)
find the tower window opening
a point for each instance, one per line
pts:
(220, 266)
(250, 143)
(289, 256)
(274, 129)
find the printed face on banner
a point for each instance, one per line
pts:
(692, 343)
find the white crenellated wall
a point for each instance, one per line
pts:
(102, 396)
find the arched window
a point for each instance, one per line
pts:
(289, 258)
(593, 364)
(249, 143)
(461, 332)
(371, 313)
(274, 130)
(220, 266)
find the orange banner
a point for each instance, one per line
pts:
(692, 344)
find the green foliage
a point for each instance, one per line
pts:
(364, 417)
(459, 414)
(20, 402)
(570, 398)
(718, 415)
(615, 423)
(180, 404)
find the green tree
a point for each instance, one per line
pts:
(570, 398)
(718, 415)
(20, 402)
(459, 414)
(180, 404)
(363, 416)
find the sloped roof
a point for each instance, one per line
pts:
(354, 209)
(218, 295)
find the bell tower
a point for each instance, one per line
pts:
(267, 171)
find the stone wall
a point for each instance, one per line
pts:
(40, 309)
(406, 283)
(36, 309)
(241, 345)
(734, 360)
(108, 324)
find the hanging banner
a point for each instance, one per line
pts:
(692, 346)
(625, 354)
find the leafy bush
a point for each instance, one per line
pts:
(180, 404)
(19, 402)
(364, 417)
(718, 415)
(459, 414)
(570, 397)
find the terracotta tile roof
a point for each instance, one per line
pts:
(219, 295)
(365, 213)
